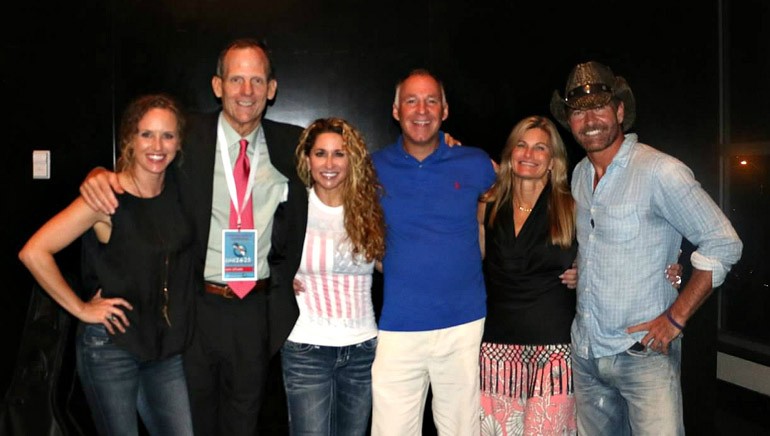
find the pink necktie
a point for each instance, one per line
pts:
(241, 176)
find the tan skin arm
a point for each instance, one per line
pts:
(38, 256)
(661, 331)
(99, 188)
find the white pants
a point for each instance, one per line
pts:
(407, 363)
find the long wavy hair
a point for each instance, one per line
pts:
(133, 114)
(561, 205)
(364, 219)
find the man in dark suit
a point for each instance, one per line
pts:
(227, 363)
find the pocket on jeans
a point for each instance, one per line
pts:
(635, 351)
(369, 345)
(297, 347)
(95, 335)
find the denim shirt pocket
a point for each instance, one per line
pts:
(617, 223)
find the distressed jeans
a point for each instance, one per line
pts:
(117, 386)
(634, 392)
(328, 389)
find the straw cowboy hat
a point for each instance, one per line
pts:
(592, 85)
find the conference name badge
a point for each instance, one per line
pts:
(239, 255)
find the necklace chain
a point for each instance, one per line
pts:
(164, 288)
(524, 209)
(136, 185)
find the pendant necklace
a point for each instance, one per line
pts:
(136, 185)
(164, 268)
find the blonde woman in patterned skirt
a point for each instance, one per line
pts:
(529, 227)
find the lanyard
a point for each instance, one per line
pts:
(223, 149)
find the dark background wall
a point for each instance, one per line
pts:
(73, 66)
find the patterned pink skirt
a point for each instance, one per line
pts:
(527, 390)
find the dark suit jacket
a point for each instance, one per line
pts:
(196, 175)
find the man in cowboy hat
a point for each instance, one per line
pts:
(634, 206)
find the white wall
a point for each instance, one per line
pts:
(743, 373)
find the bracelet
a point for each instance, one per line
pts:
(673, 321)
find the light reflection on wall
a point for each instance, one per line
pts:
(745, 297)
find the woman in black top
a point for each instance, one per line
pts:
(139, 281)
(529, 226)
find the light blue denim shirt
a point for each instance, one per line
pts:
(629, 229)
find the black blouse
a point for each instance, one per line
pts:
(526, 302)
(150, 248)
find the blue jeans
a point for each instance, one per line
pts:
(328, 389)
(117, 386)
(629, 393)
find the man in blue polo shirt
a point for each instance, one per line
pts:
(434, 297)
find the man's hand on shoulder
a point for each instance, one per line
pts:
(451, 140)
(99, 188)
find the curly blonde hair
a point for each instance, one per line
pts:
(561, 206)
(364, 219)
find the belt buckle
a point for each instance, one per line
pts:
(228, 292)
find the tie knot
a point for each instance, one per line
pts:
(244, 143)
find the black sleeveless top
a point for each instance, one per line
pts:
(526, 302)
(151, 247)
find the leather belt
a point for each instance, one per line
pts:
(226, 291)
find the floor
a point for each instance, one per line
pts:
(739, 412)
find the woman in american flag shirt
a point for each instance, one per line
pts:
(328, 356)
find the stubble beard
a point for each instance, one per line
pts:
(600, 142)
